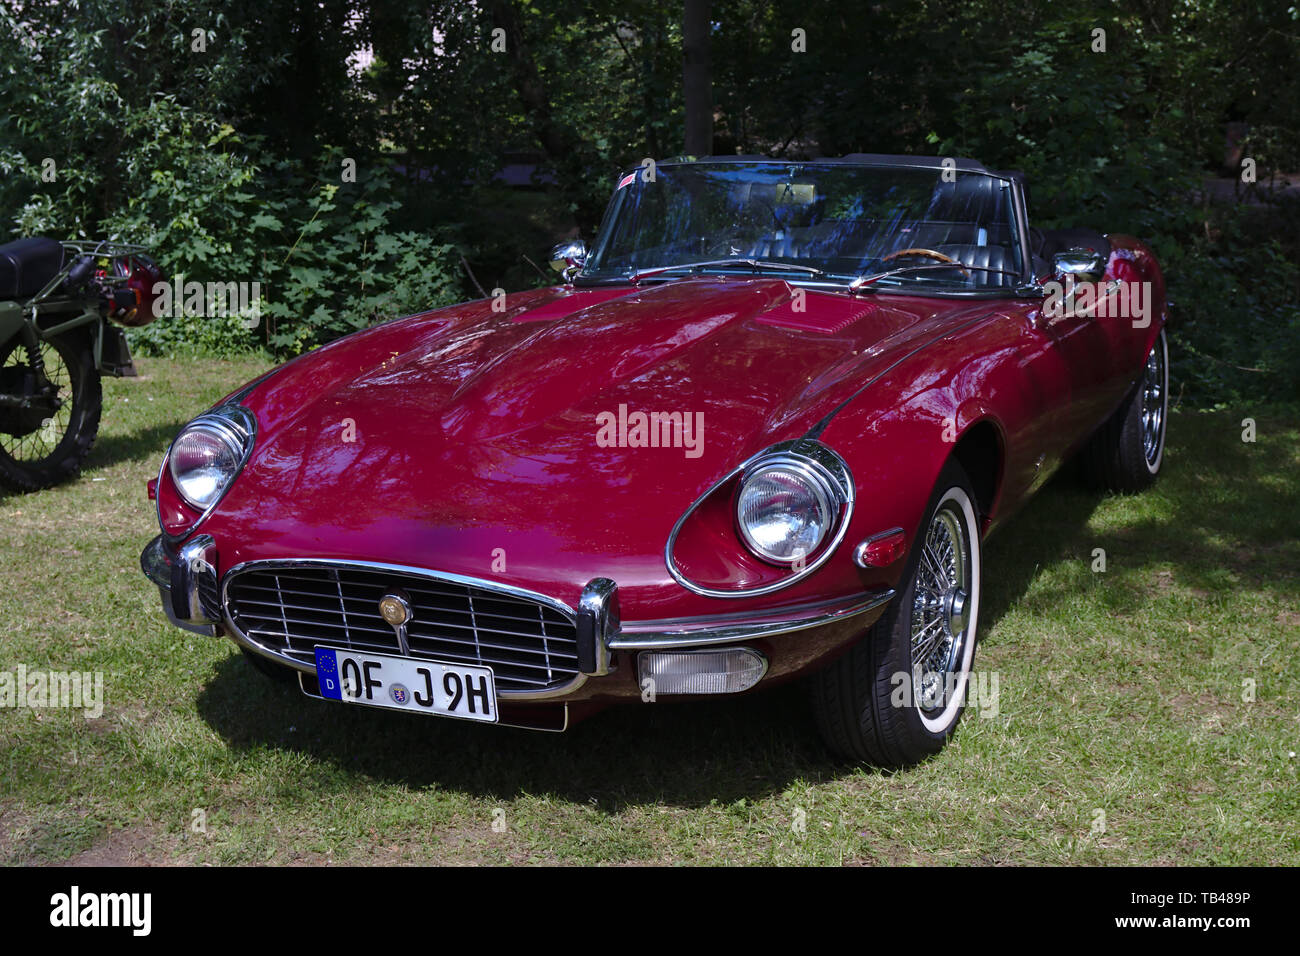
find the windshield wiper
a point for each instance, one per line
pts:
(755, 264)
(861, 282)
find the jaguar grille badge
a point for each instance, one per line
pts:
(395, 609)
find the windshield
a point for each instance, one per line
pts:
(845, 221)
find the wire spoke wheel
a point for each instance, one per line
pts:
(1127, 452)
(939, 608)
(49, 423)
(895, 698)
(31, 440)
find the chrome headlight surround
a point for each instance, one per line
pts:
(809, 457)
(234, 427)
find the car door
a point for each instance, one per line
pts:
(1063, 370)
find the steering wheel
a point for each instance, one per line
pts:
(932, 254)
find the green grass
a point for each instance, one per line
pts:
(1120, 691)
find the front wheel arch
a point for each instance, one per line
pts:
(981, 454)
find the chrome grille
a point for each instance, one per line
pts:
(209, 600)
(530, 646)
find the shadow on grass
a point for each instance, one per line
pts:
(684, 754)
(1217, 506)
(148, 443)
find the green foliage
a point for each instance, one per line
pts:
(226, 160)
(92, 87)
(1109, 140)
(1077, 123)
(167, 171)
(325, 255)
(1236, 320)
(345, 270)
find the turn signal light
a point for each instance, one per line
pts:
(881, 550)
(721, 670)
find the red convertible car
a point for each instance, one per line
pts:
(759, 433)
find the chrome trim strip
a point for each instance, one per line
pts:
(808, 452)
(206, 630)
(1020, 213)
(244, 640)
(597, 624)
(724, 629)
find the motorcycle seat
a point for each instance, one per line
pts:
(26, 265)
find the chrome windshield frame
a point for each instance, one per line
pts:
(1011, 181)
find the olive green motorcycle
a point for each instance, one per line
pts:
(62, 309)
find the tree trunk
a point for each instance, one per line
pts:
(697, 80)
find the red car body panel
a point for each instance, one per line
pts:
(463, 436)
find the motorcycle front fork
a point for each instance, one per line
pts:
(31, 342)
(30, 339)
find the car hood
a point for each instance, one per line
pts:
(504, 442)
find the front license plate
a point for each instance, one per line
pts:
(403, 683)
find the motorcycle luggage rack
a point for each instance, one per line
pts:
(75, 251)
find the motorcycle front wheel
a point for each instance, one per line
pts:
(46, 441)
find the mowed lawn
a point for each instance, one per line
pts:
(1147, 713)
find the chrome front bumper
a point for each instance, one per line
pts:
(187, 582)
(738, 628)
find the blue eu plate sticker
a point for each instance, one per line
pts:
(327, 673)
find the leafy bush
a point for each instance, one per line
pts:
(344, 269)
(167, 171)
(1236, 322)
(325, 255)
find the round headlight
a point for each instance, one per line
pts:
(204, 460)
(784, 512)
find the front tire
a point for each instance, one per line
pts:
(895, 698)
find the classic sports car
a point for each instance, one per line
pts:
(758, 434)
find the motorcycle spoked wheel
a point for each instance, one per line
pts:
(41, 447)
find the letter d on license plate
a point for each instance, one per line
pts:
(404, 683)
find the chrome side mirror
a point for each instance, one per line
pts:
(1080, 263)
(569, 257)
